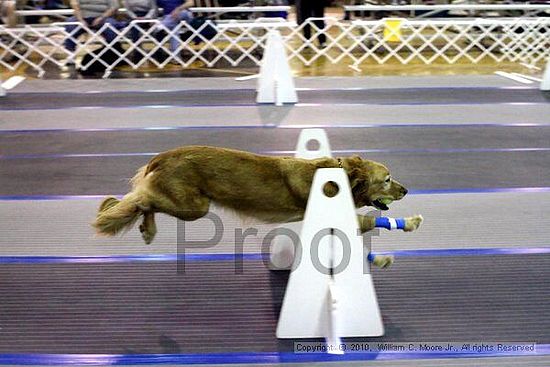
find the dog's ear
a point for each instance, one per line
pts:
(354, 161)
(358, 179)
(358, 182)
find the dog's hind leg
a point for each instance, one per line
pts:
(148, 227)
(190, 209)
(185, 203)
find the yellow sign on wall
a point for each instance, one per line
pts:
(392, 29)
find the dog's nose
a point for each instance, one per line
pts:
(405, 191)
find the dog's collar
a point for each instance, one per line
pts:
(340, 164)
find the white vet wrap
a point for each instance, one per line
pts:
(393, 223)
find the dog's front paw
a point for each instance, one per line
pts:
(383, 261)
(412, 223)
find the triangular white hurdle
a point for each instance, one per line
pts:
(12, 82)
(275, 83)
(312, 135)
(282, 248)
(545, 84)
(317, 304)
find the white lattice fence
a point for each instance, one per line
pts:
(32, 46)
(520, 40)
(427, 41)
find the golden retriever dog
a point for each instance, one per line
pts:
(184, 182)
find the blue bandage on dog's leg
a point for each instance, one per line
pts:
(389, 223)
(370, 257)
(400, 222)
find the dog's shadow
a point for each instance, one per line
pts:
(169, 345)
(274, 115)
(278, 280)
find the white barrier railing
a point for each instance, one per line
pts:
(251, 11)
(528, 10)
(451, 41)
(240, 9)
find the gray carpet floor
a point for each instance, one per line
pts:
(473, 151)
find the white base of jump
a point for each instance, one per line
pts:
(545, 84)
(319, 303)
(282, 248)
(275, 83)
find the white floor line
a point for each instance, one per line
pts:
(513, 77)
(355, 67)
(12, 82)
(528, 66)
(248, 77)
(528, 77)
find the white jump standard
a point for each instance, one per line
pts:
(310, 308)
(282, 249)
(545, 84)
(275, 82)
(330, 292)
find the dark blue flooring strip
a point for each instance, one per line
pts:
(243, 358)
(287, 152)
(221, 105)
(129, 258)
(224, 105)
(133, 107)
(468, 252)
(466, 190)
(379, 89)
(424, 150)
(257, 256)
(481, 190)
(78, 155)
(52, 197)
(270, 126)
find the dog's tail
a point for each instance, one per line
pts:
(114, 215)
(138, 177)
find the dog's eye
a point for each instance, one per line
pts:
(388, 180)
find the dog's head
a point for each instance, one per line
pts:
(372, 184)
